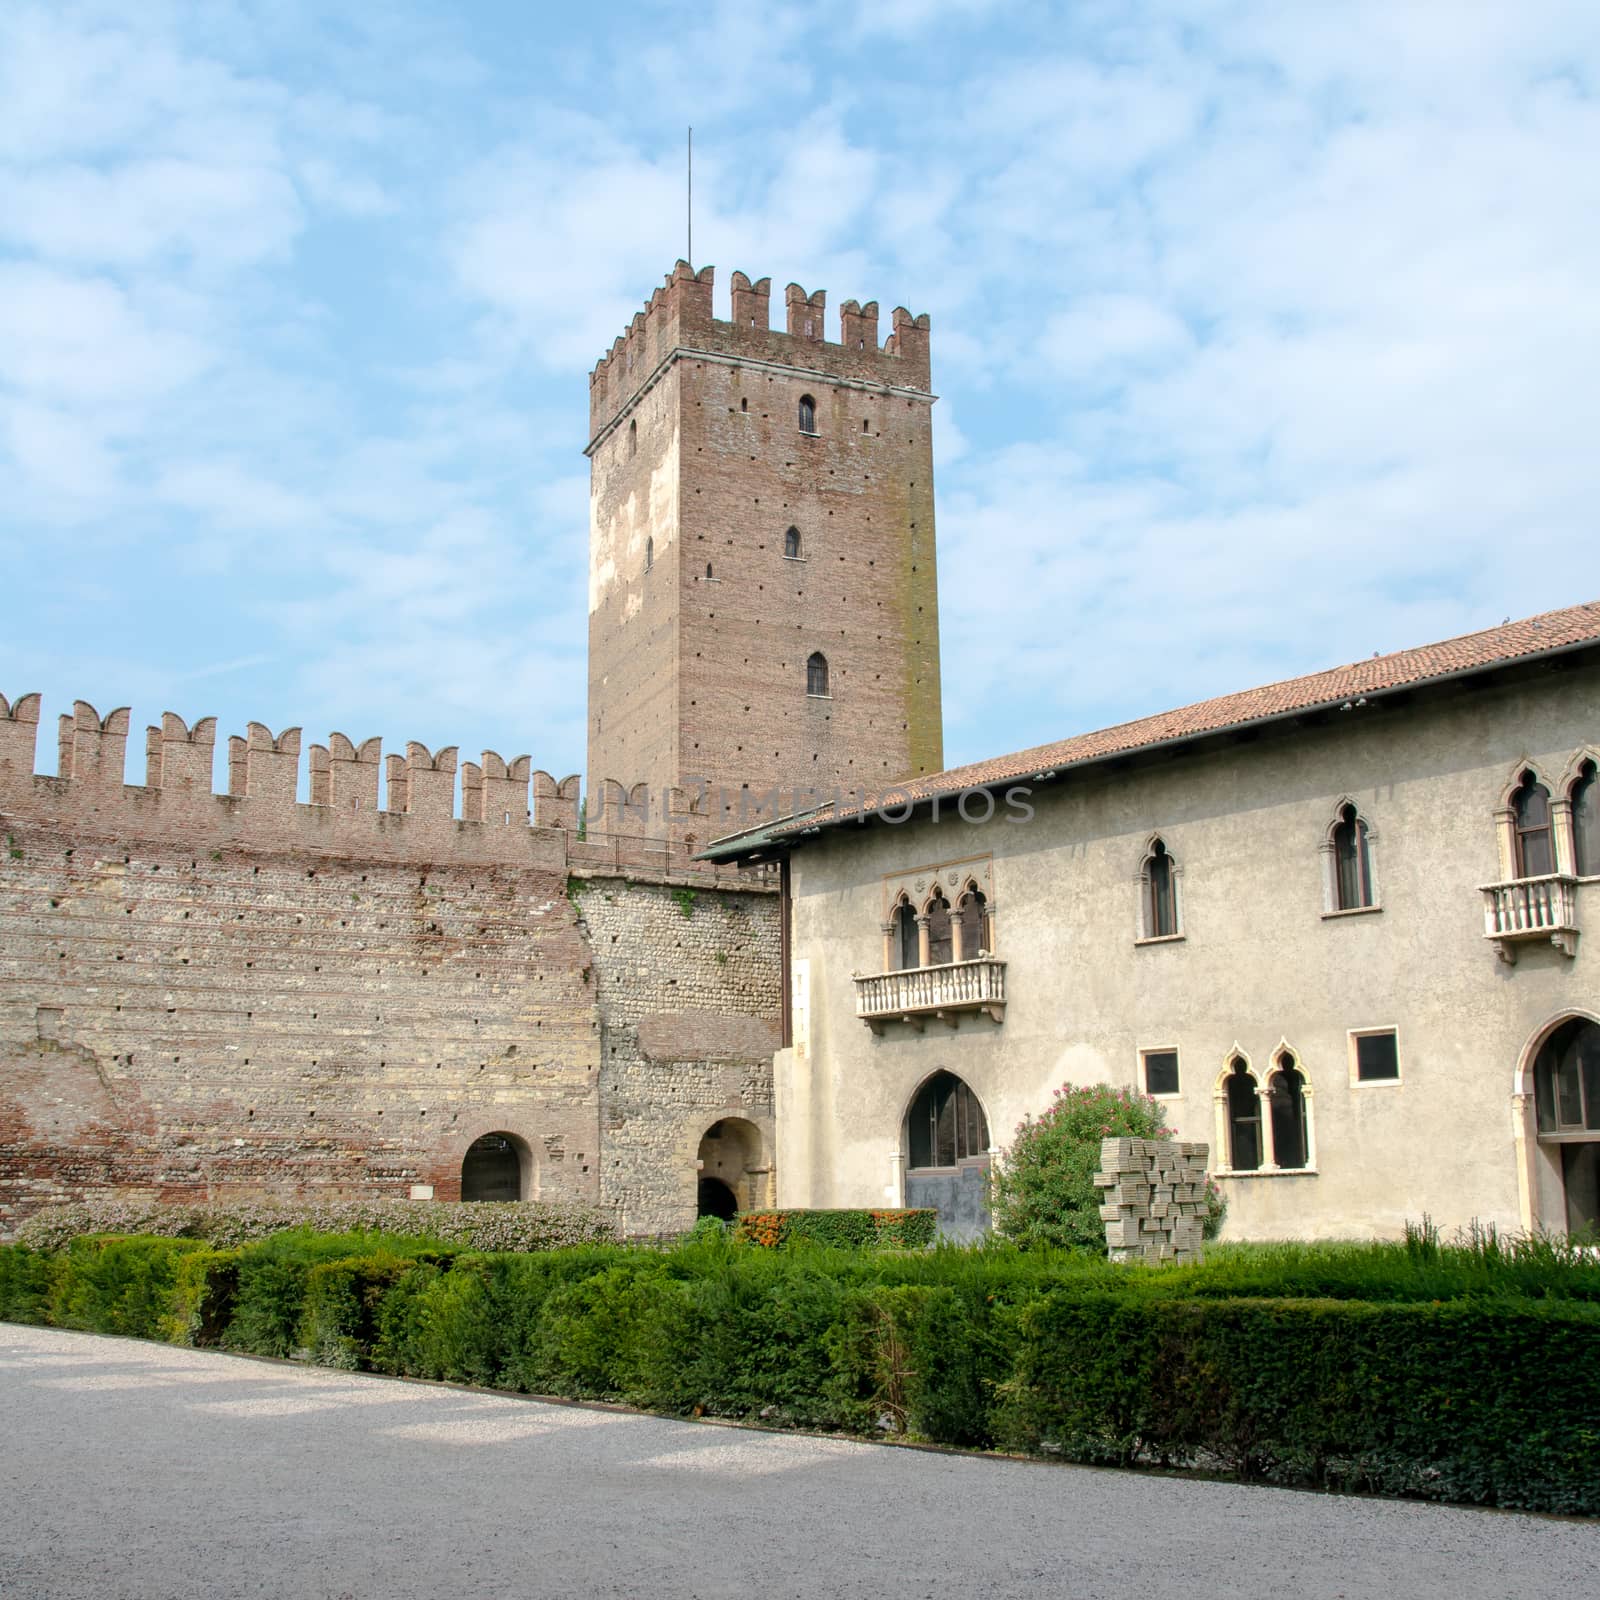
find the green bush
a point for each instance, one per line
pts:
(25, 1283)
(497, 1225)
(108, 1284)
(843, 1230)
(1357, 1367)
(1042, 1188)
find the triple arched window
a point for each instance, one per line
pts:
(941, 933)
(1265, 1130)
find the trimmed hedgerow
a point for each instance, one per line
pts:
(1058, 1353)
(108, 1284)
(477, 1225)
(901, 1229)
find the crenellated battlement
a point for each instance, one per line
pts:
(678, 316)
(509, 812)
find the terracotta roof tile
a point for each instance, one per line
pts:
(1549, 631)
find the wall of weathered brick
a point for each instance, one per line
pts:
(687, 985)
(208, 995)
(698, 660)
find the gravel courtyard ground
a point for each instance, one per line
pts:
(133, 1470)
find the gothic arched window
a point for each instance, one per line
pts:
(1287, 1101)
(1585, 797)
(817, 674)
(1160, 883)
(1244, 1118)
(1352, 862)
(945, 1124)
(972, 913)
(1530, 808)
(907, 947)
(791, 544)
(939, 935)
(808, 414)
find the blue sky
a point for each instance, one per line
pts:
(1267, 335)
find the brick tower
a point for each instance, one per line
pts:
(763, 606)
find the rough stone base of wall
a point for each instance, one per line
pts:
(1155, 1199)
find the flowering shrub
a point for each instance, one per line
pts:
(478, 1225)
(1042, 1188)
(847, 1230)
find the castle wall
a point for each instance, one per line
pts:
(237, 995)
(687, 986)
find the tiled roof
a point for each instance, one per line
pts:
(1533, 636)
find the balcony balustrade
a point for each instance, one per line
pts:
(943, 993)
(1543, 908)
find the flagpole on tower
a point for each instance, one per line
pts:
(690, 199)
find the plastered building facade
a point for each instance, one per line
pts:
(763, 603)
(1429, 1047)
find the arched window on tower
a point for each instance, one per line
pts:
(1286, 1098)
(791, 544)
(1530, 809)
(808, 414)
(1159, 893)
(708, 570)
(1244, 1117)
(1585, 797)
(1352, 862)
(817, 674)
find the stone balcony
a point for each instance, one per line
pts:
(976, 987)
(1543, 909)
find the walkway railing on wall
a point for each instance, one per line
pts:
(1542, 908)
(943, 992)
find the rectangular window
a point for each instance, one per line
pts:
(1160, 1071)
(1377, 1057)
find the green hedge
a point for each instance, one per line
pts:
(1489, 1395)
(843, 1230)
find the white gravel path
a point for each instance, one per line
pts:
(132, 1471)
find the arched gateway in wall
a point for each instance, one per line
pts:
(946, 1150)
(495, 1167)
(1563, 1079)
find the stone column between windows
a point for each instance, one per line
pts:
(1505, 828)
(889, 953)
(957, 938)
(1561, 830)
(923, 948)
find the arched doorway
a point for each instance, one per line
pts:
(1566, 1101)
(716, 1199)
(728, 1161)
(946, 1139)
(494, 1168)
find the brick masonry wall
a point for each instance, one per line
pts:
(689, 1007)
(702, 674)
(204, 996)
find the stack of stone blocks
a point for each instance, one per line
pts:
(1155, 1200)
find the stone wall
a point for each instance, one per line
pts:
(236, 995)
(687, 986)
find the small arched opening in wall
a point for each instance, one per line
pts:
(732, 1176)
(497, 1166)
(1556, 1105)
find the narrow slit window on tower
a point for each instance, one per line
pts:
(649, 554)
(744, 403)
(817, 674)
(808, 414)
(791, 544)
(633, 437)
(708, 571)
